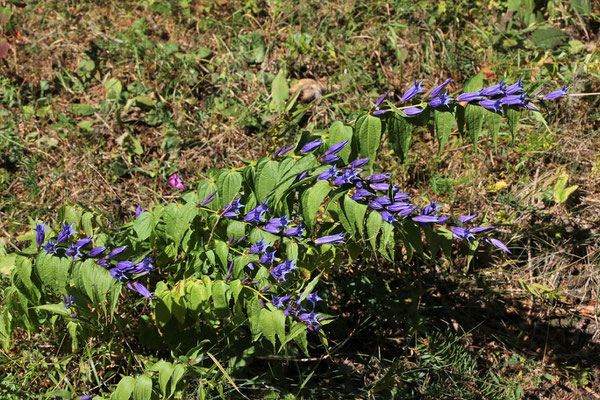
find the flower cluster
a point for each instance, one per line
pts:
(76, 250)
(491, 98)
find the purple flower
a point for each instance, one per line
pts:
(361, 194)
(209, 198)
(83, 242)
(143, 266)
(413, 91)
(401, 196)
(330, 158)
(493, 105)
(441, 100)
(348, 176)
(229, 271)
(297, 231)
(380, 186)
(471, 96)
(281, 270)
(310, 146)
(375, 205)
(280, 301)
(282, 151)
(336, 148)
(301, 176)
(276, 224)
(268, 257)
(379, 177)
(139, 211)
(117, 274)
(73, 251)
(124, 266)
(380, 112)
(514, 88)
(410, 111)
(407, 211)
(399, 206)
(296, 309)
(176, 182)
(383, 200)
(514, 99)
(429, 218)
(68, 302)
(96, 251)
(359, 162)
(439, 88)
(250, 266)
(103, 262)
(256, 215)
(388, 217)
(259, 247)
(467, 218)
(498, 244)
(66, 232)
(50, 247)
(116, 252)
(431, 208)
(330, 173)
(141, 289)
(337, 238)
(232, 209)
(312, 319)
(313, 298)
(40, 233)
(555, 94)
(381, 99)
(540, 91)
(493, 90)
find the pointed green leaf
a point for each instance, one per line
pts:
(280, 92)
(474, 84)
(229, 184)
(373, 227)
(368, 130)
(272, 324)
(312, 200)
(53, 271)
(142, 389)
(444, 121)
(267, 180)
(493, 120)
(338, 132)
(164, 374)
(474, 121)
(512, 116)
(399, 133)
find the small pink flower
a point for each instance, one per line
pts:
(175, 181)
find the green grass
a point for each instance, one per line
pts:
(101, 101)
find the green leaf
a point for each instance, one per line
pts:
(493, 120)
(177, 220)
(582, 7)
(312, 200)
(178, 373)
(512, 116)
(124, 389)
(93, 280)
(272, 324)
(54, 308)
(310, 287)
(267, 180)
(444, 121)
(338, 132)
(561, 192)
(221, 295)
(548, 37)
(53, 272)
(229, 184)
(143, 225)
(373, 227)
(474, 84)
(82, 110)
(368, 130)
(113, 89)
(142, 389)
(145, 101)
(280, 92)
(474, 121)
(399, 132)
(164, 374)
(4, 15)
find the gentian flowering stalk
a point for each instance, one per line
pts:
(66, 232)
(337, 238)
(555, 94)
(438, 89)
(310, 146)
(40, 233)
(413, 91)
